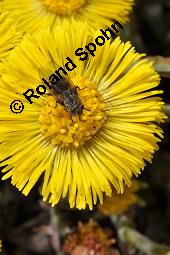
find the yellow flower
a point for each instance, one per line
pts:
(0, 245)
(82, 156)
(119, 203)
(9, 35)
(35, 14)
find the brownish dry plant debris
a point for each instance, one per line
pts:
(90, 239)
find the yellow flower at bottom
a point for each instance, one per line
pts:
(83, 156)
(119, 203)
(32, 15)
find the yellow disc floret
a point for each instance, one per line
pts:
(65, 129)
(63, 7)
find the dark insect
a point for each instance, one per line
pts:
(68, 96)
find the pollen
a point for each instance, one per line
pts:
(64, 129)
(63, 7)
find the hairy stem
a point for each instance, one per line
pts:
(141, 242)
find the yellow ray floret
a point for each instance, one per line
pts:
(33, 15)
(83, 156)
(9, 35)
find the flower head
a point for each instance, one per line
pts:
(35, 14)
(9, 35)
(88, 155)
(90, 238)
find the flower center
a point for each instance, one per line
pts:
(65, 129)
(63, 7)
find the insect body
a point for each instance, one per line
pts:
(68, 96)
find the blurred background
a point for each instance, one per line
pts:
(30, 227)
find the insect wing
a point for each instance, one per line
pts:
(45, 71)
(70, 83)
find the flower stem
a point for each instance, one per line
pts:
(167, 111)
(141, 242)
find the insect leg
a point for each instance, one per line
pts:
(87, 109)
(71, 117)
(59, 101)
(49, 94)
(79, 88)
